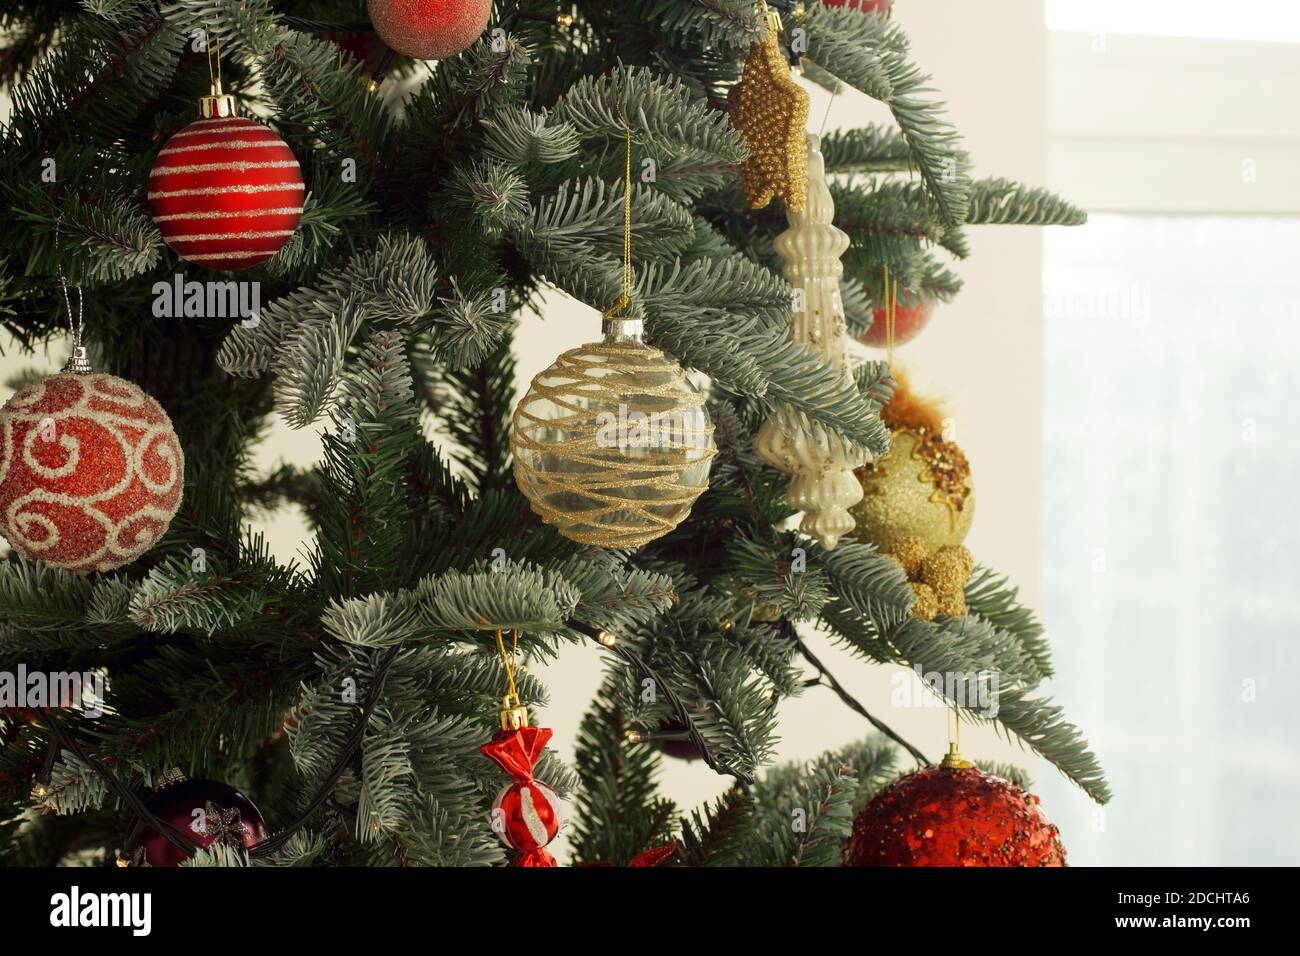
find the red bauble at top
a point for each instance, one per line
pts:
(429, 29)
(909, 320)
(204, 812)
(91, 472)
(953, 816)
(866, 6)
(225, 192)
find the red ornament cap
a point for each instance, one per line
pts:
(953, 816)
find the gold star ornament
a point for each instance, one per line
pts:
(770, 110)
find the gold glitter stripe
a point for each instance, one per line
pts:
(222, 190)
(235, 254)
(599, 494)
(205, 236)
(270, 143)
(240, 166)
(279, 211)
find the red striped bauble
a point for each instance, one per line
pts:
(226, 192)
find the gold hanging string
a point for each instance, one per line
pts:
(510, 661)
(616, 310)
(74, 328)
(214, 76)
(891, 297)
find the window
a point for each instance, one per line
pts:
(1170, 455)
(1172, 357)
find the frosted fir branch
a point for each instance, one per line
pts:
(710, 23)
(952, 647)
(310, 364)
(120, 12)
(449, 837)
(395, 282)
(516, 135)
(496, 196)
(990, 596)
(386, 778)
(217, 855)
(246, 28)
(469, 326)
(870, 53)
(868, 582)
(871, 149)
(302, 849)
(1005, 201)
(662, 113)
(585, 218)
(518, 597)
(377, 620)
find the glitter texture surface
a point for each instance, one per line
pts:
(953, 817)
(429, 29)
(91, 472)
(919, 489)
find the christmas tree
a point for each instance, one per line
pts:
(330, 211)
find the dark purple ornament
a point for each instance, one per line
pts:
(205, 812)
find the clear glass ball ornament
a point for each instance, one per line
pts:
(612, 444)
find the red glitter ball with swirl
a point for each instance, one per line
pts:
(953, 816)
(91, 471)
(225, 192)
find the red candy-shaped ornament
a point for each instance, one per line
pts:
(953, 815)
(526, 813)
(225, 192)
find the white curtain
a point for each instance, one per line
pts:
(1172, 533)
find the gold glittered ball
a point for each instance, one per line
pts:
(925, 604)
(612, 445)
(920, 489)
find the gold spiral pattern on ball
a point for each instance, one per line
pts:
(618, 494)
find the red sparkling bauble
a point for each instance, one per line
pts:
(91, 471)
(205, 812)
(526, 813)
(226, 193)
(866, 6)
(909, 320)
(429, 29)
(953, 817)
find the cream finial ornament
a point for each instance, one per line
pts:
(823, 485)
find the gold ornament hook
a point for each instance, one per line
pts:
(217, 104)
(614, 323)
